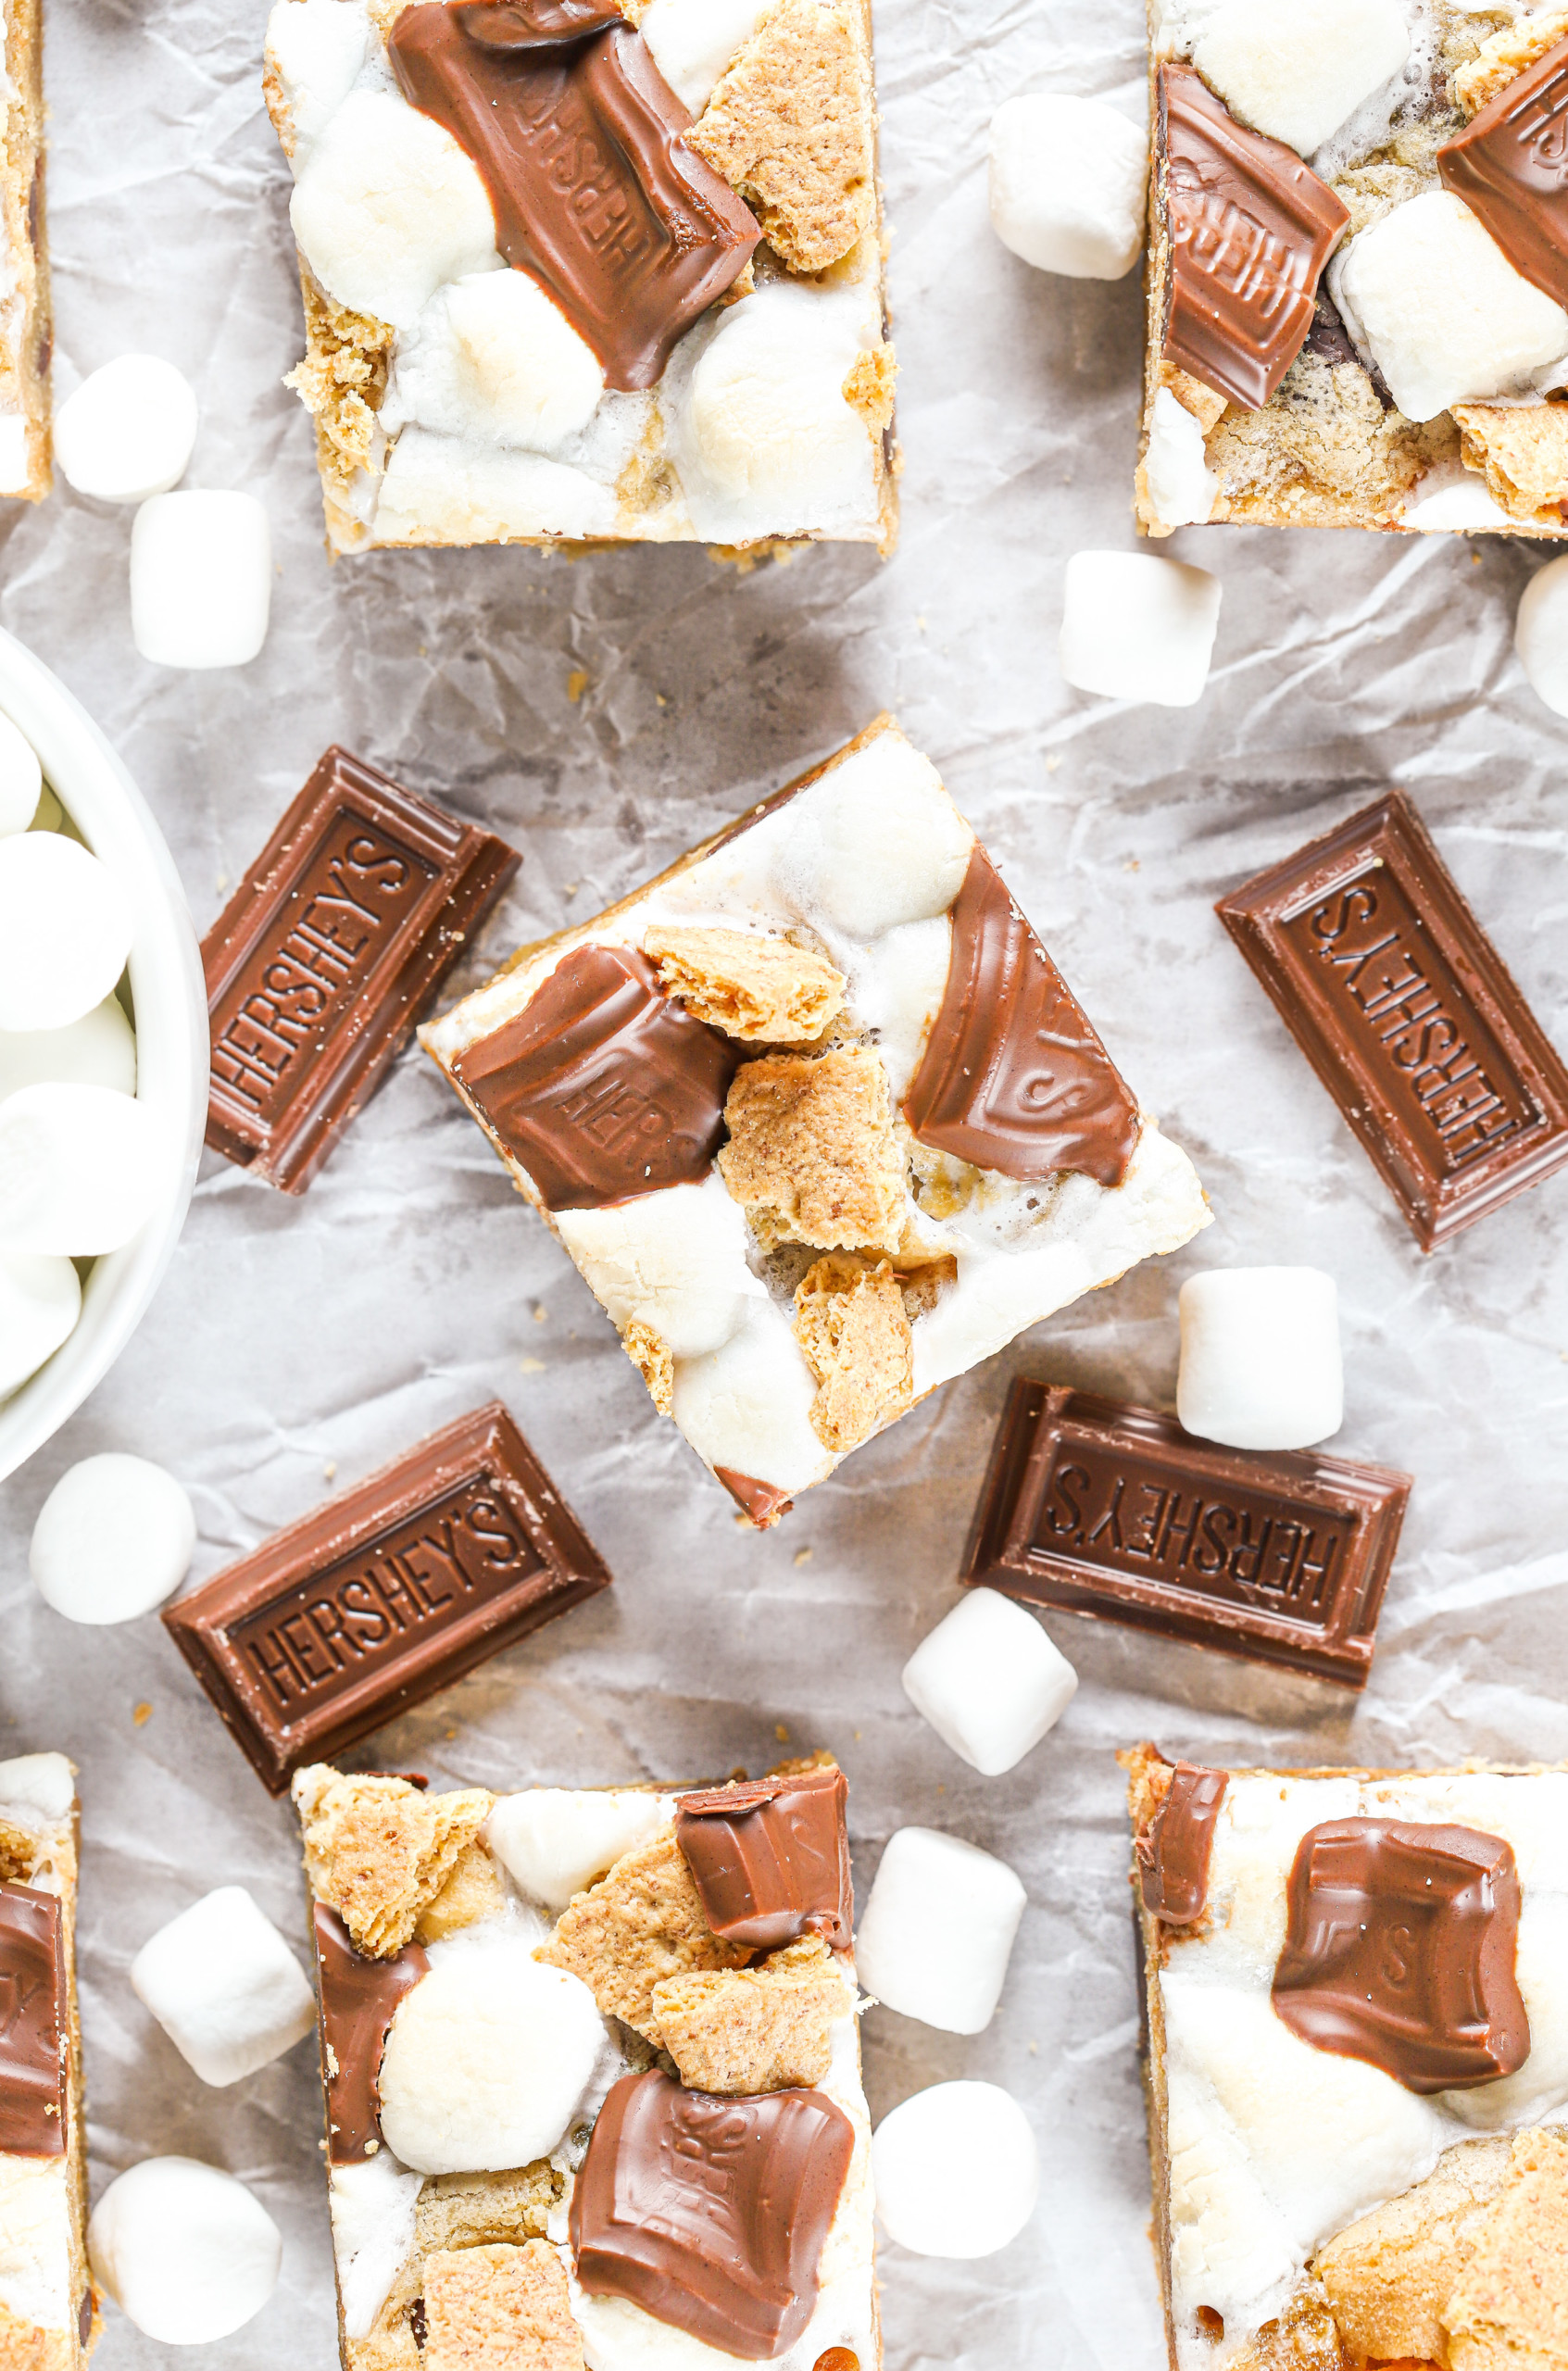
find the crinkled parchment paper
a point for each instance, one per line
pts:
(604, 714)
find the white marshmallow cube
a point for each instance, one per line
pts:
(1436, 302)
(556, 1842)
(97, 1051)
(1454, 508)
(65, 931)
(185, 2251)
(1300, 68)
(1260, 1364)
(201, 579)
(40, 1302)
(989, 1681)
(1136, 628)
(113, 1538)
(494, 359)
(956, 2170)
(21, 778)
(1540, 634)
(387, 208)
(225, 1987)
(1067, 184)
(936, 1937)
(80, 1169)
(129, 429)
(1182, 487)
(317, 48)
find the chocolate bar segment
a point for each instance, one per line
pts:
(1509, 165)
(34, 2023)
(318, 967)
(1115, 1512)
(1250, 228)
(359, 1999)
(1174, 1850)
(534, 24)
(771, 1857)
(1407, 1013)
(385, 1594)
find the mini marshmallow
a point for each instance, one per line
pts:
(221, 1981)
(1300, 68)
(1540, 634)
(1260, 1365)
(80, 1169)
(488, 2059)
(1182, 487)
(97, 1051)
(556, 1842)
(494, 357)
(766, 440)
(1134, 628)
(65, 931)
(1466, 503)
(675, 1260)
(41, 1784)
(129, 429)
(974, 2131)
(21, 780)
(114, 1537)
(1068, 178)
(387, 207)
(40, 1302)
(1434, 299)
(989, 1681)
(876, 844)
(186, 2252)
(201, 579)
(692, 41)
(317, 48)
(937, 1935)
(747, 1404)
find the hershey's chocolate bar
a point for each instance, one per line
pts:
(385, 1594)
(325, 957)
(1409, 1016)
(1509, 165)
(1115, 1512)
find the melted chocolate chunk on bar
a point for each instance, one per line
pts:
(602, 1086)
(771, 1857)
(1250, 230)
(1509, 165)
(710, 2214)
(358, 2001)
(760, 1502)
(1401, 1950)
(1174, 1850)
(595, 193)
(1013, 1077)
(535, 24)
(33, 2023)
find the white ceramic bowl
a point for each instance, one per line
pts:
(170, 1000)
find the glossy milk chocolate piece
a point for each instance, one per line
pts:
(34, 2023)
(710, 2214)
(595, 193)
(602, 1086)
(1404, 1008)
(358, 1998)
(317, 970)
(1115, 1512)
(1174, 1850)
(1013, 1077)
(384, 1594)
(534, 24)
(1509, 165)
(771, 1857)
(1250, 228)
(1401, 1950)
(760, 1502)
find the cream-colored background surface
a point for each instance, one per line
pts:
(296, 1342)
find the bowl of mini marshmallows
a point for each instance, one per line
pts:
(103, 1055)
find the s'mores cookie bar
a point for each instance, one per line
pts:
(1357, 2064)
(27, 332)
(1357, 282)
(592, 2075)
(48, 2319)
(817, 1118)
(578, 270)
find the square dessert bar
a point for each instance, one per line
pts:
(579, 272)
(48, 2320)
(817, 1118)
(1358, 267)
(27, 331)
(592, 2075)
(1357, 2070)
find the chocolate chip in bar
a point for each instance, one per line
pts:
(1174, 1850)
(359, 1999)
(602, 1086)
(384, 1594)
(1509, 165)
(1250, 228)
(34, 2027)
(345, 927)
(710, 2214)
(1401, 1950)
(1407, 1013)
(595, 195)
(1115, 1512)
(1013, 1077)
(771, 1858)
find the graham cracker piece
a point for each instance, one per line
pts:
(1522, 451)
(762, 991)
(1509, 2310)
(812, 1154)
(869, 388)
(389, 2346)
(18, 1857)
(472, 1892)
(642, 1923)
(499, 2309)
(471, 2210)
(754, 2029)
(851, 1321)
(1388, 2276)
(341, 382)
(1507, 54)
(378, 1851)
(652, 1357)
(791, 126)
